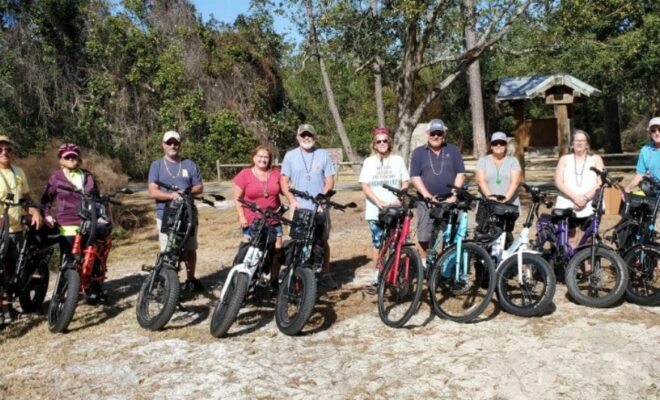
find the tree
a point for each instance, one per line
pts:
(474, 83)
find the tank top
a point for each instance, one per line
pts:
(580, 179)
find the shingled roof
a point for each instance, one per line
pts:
(529, 87)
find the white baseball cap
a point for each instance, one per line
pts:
(171, 135)
(654, 121)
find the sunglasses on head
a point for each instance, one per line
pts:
(498, 143)
(436, 134)
(305, 135)
(172, 142)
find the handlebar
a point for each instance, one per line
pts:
(186, 193)
(538, 196)
(268, 213)
(323, 199)
(94, 194)
(462, 192)
(604, 176)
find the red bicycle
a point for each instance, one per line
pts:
(84, 271)
(401, 275)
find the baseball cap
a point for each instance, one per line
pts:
(437, 125)
(67, 149)
(4, 138)
(171, 135)
(381, 131)
(306, 128)
(497, 136)
(654, 121)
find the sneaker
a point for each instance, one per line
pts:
(328, 281)
(372, 289)
(193, 285)
(273, 288)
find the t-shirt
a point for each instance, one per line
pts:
(183, 174)
(437, 171)
(307, 172)
(499, 178)
(253, 191)
(377, 172)
(18, 185)
(649, 161)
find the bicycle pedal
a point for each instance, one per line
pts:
(147, 268)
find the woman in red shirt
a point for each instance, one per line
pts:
(260, 184)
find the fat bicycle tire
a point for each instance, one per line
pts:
(533, 296)
(301, 294)
(32, 296)
(164, 291)
(589, 288)
(64, 300)
(644, 275)
(226, 310)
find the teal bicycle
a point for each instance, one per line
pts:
(462, 275)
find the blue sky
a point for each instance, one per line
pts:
(228, 10)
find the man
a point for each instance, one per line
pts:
(310, 169)
(648, 163)
(13, 183)
(183, 173)
(433, 166)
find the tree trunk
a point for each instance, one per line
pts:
(341, 130)
(612, 142)
(474, 83)
(378, 79)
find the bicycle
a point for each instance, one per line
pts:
(525, 280)
(636, 240)
(401, 275)
(251, 270)
(29, 281)
(84, 270)
(595, 274)
(159, 293)
(462, 278)
(304, 256)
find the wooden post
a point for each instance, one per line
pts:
(217, 168)
(563, 128)
(519, 132)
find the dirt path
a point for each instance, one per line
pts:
(576, 352)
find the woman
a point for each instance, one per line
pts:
(499, 174)
(379, 169)
(69, 175)
(260, 184)
(576, 183)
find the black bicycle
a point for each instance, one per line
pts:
(304, 256)
(636, 240)
(159, 294)
(29, 281)
(251, 273)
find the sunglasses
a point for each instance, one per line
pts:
(70, 157)
(654, 129)
(436, 134)
(498, 143)
(384, 141)
(6, 150)
(172, 143)
(306, 135)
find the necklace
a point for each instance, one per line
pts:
(498, 181)
(579, 176)
(308, 171)
(264, 184)
(442, 163)
(168, 170)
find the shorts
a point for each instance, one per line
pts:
(190, 245)
(377, 233)
(247, 232)
(424, 223)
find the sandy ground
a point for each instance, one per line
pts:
(345, 351)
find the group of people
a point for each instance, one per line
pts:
(433, 166)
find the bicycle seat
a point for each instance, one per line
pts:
(560, 213)
(464, 205)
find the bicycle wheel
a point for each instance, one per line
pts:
(643, 264)
(461, 291)
(399, 291)
(155, 307)
(64, 300)
(295, 300)
(32, 296)
(599, 285)
(226, 310)
(534, 294)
